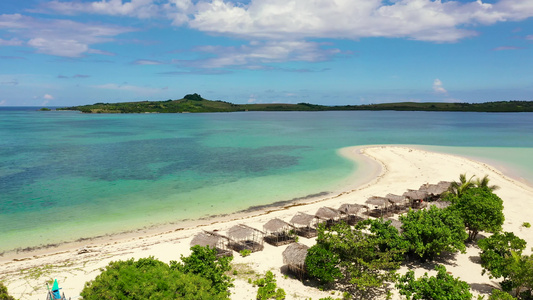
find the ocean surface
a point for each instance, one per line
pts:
(67, 175)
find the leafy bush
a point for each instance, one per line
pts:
(526, 225)
(430, 232)
(480, 209)
(500, 295)
(496, 252)
(245, 252)
(267, 288)
(3, 293)
(442, 286)
(147, 278)
(359, 267)
(322, 264)
(204, 262)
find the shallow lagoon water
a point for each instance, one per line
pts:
(66, 175)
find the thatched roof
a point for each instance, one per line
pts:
(327, 213)
(351, 209)
(242, 232)
(302, 219)
(275, 225)
(378, 201)
(205, 239)
(435, 189)
(395, 198)
(415, 194)
(295, 254)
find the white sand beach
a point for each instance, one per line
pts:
(389, 169)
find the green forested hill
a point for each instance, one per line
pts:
(194, 103)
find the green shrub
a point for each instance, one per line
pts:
(500, 295)
(526, 225)
(441, 286)
(245, 252)
(204, 262)
(267, 288)
(147, 278)
(3, 293)
(430, 232)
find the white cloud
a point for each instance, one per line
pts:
(134, 8)
(425, 20)
(257, 53)
(438, 88)
(3, 102)
(61, 37)
(48, 97)
(502, 48)
(11, 42)
(147, 62)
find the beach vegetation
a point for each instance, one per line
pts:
(430, 232)
(484, 183)
(268, 288)
(204, 262)
(501, 256)
(147, 278)
(245, 252)
(440, 286)
(480, 209)
(458, 187)
(526, 225)
(4, 295)
(44, 109)
(500, 295)
(357, 264)
(496, 252)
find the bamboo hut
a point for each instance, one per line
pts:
(294, 257)
(435, 191)
(213, 240)
(278, 232)
(304, 224)
(400, 203)
(380, 204)
(351, 212)
(416, 198)
(245, 238)
(328, 215)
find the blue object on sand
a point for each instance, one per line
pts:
(55, 291)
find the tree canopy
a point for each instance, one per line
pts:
(480, 209)
(441, 286)
(147, 278)
(431, 231)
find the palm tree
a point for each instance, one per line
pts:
(484, 183)
(458, 188)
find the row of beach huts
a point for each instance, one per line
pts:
(278, 232)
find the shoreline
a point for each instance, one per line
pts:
(367, 170)
(387, 169)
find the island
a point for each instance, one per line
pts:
(194, 103)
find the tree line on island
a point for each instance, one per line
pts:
(360, 261)
(194, 103)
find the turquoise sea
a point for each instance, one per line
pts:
(67, 175)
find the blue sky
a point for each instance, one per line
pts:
(58, 52)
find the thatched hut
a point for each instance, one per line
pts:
(294, 257)
(397, 224)
(213, 240)
(328, 215)
(304, 224)
(440, 204)
(435, 191)
(381, 206)
(278, 232)
(244, 237)
(416, 198)
(351, 213)
(400, 203)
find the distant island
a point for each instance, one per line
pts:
(194, 103)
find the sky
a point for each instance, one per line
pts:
(332, 52)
